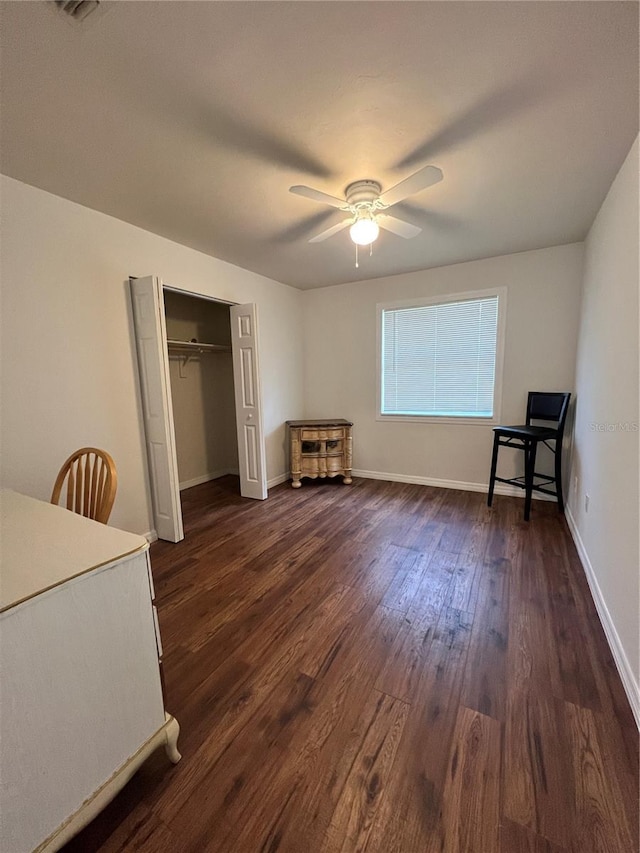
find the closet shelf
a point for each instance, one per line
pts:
(193, 347)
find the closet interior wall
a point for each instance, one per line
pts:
(201, 389)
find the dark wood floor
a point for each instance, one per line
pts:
(380, 667)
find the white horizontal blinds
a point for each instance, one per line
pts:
(440, 359)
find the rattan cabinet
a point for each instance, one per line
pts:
(320, 448)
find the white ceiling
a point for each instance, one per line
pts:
(192, 119)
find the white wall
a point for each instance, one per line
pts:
(204, 417)
(543, 304)
(605, 453)
(69, 372)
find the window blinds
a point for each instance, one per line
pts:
(440, 360)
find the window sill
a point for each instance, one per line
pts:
(434, 419)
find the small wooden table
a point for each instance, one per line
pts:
(320, 448)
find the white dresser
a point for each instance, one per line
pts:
(81, 703)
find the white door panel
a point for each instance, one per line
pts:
(246, 378)
(153, 363)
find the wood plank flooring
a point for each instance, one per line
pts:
(385, 668)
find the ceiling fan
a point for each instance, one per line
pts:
(366, 204)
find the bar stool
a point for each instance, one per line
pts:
(541, 406)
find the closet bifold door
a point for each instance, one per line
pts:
(155, 387)
(248, 394)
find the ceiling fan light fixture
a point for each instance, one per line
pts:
(364, 231)
(366, 206)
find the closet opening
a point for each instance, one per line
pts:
(202, 387)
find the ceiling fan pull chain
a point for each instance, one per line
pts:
(370, 249)
(357, 264)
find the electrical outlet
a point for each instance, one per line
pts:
(575, 484)
(586, 503)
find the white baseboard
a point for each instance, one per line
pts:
(151, 536)
(632, 689)
(500, 488)
(205, 478)
(275, 481)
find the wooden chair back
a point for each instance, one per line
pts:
(91, 482)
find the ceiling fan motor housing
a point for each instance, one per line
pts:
(362, 193)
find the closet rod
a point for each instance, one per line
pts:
(195, 346)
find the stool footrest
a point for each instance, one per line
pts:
(520, 483)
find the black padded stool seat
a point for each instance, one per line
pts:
(522, 430)
(541, 406)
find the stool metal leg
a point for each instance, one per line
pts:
(558, 455)
(529, 468)
(494, 465)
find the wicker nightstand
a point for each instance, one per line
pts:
(320, 449)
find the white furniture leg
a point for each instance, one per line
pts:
(167, 736)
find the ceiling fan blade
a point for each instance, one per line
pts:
(397, 226)
(420, 180)
(316, 195)
(331, 231)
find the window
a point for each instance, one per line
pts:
(442, 358)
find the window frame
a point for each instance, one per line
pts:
(443, 299)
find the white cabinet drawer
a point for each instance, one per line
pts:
(157, 627)
(150, 576)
